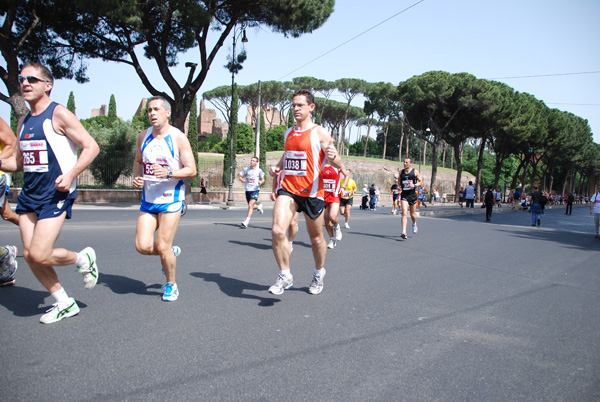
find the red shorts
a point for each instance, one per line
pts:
(330, 198)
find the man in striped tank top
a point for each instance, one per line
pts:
(307, 147)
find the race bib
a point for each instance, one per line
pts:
(406, 185)
(329, 185)
(149, 173)
(253, 180)
(35, 156)
(294, 163)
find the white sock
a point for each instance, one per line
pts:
(318, 272)
(291, 244)
(60, 295)
(286, 273)
(247, 220)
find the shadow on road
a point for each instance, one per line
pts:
(124, 285)
(235, 288)
(24, 302)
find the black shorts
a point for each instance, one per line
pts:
(344, 202)
(469, 202)
(313, 207)
(411, 198)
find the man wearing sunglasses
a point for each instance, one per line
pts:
(47, 152)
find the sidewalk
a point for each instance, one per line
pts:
(439, 209)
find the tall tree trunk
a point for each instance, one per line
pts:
(367, 137)
(385, 134)
(479, 168)
(434, 155)
(457, 151)
(401, 141)
(444, 155)
(424, 156)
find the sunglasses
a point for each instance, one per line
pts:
(32, 79)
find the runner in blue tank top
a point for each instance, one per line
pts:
(47, 152)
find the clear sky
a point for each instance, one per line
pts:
(550, 45)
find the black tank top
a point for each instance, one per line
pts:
(406, 178)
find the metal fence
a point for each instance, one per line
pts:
(210, 170)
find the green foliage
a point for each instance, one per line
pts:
(193, 136)
(262, 157)
(117, 151)
(14, 121)
(71, 103)
(275, 138)
(244, 138)
(161, 31)
(212, 143)
(97, 122)
(291, 119)
(373, 148)
(112, 108)
(142, 121)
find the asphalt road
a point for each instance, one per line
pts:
(463, 310)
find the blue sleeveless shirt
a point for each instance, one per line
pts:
(46, 155)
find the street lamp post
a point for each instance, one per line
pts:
(234, 69)
(422, 151)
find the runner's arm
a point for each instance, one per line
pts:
(329, 148)
(66, 123)
(187, 159)
(8, 154)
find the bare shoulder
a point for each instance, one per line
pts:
(142, 134)
(65, 116)
(182, 139)
(324, 136)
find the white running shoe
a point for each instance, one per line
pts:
(316, 285)
(331, 244)
(89, 270)
(282, 283)
(415, 228)
(260, 209)
(176, 250)
(245, 224)
(171, 292)
(60, 310)
(403, 235)
(337, 233)
(347, 226)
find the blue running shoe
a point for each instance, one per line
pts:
(176, 250)
(171, 292)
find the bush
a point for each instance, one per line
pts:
(117, 151)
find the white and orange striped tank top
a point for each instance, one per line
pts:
(303, 163)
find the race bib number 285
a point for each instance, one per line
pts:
(35, 156)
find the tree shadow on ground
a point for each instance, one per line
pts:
(24, 302)
(378, 235)
(124, 285)
(235, 288)
(259, 246)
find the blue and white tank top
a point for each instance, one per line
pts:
(164, 152)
